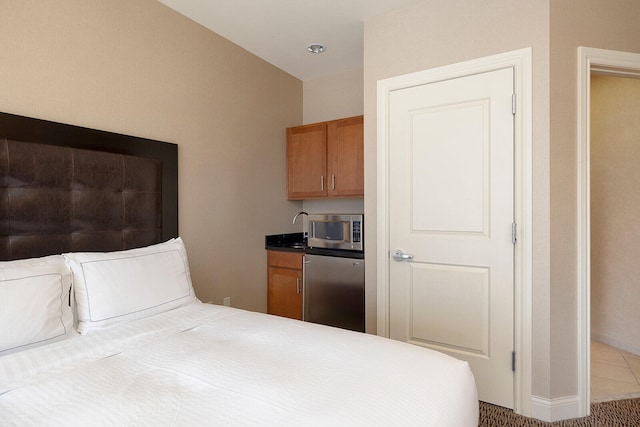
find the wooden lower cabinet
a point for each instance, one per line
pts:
(284, 287)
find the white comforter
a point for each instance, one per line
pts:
(211, 365)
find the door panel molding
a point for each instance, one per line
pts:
(459, 153)
(472, 287)
(520, 61)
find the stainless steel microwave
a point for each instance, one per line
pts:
(335, 231)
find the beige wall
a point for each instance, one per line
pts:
(615, 179)
(333, 97)
(434, 33)
(137, 67)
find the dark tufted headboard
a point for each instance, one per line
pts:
(65, 188)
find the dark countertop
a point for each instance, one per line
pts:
(296, 242)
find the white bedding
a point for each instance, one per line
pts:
(205, 364)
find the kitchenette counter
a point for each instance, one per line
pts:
(295, 242)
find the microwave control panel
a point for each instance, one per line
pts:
(356, 231)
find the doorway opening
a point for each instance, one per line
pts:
(614, 155)
(608, 63)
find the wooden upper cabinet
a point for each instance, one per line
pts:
(345, 154)
(326, 159)
(307, 161)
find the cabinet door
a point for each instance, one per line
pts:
(306, 161)
(345, 139)
(284, 296)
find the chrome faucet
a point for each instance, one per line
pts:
(297, 215)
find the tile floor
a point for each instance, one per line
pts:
(615, 374)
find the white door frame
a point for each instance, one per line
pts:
(520, 60)
(613, 63)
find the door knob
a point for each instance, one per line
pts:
(399, 255)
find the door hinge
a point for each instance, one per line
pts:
(513, 361)
(514, 233)
(513, 104)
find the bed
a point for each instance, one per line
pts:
(100, 324)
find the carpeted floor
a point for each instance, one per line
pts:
(617, 413)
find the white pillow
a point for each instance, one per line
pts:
(118, 287)
(34, 303)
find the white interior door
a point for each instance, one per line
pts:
(451, 207)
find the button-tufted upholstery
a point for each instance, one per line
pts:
(59, 199)
(66, 188)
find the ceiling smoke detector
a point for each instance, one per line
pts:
(315, 48)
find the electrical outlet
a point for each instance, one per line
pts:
(226, 301)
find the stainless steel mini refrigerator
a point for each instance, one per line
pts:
(334, 291)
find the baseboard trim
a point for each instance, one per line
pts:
(561, 408)
(606, 339)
